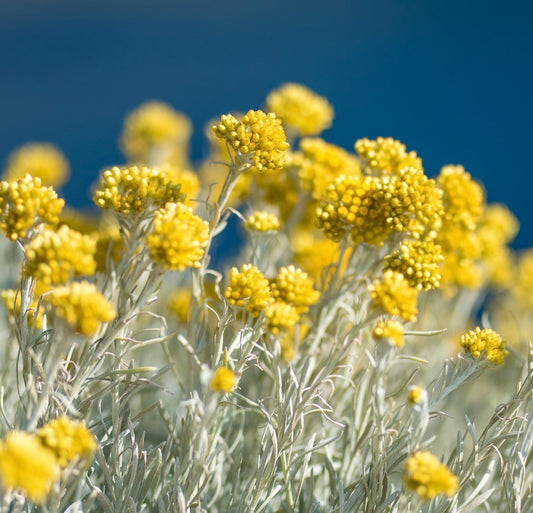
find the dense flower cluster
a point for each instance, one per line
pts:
(389, 330)
(223, 380)
(281, 316)
(257, 136)
(132, 190)
(261, 221)
(81, 306)
(394, 295)
(386, 154)
(178, 238)
(12, 302)
(188, 180)
(295, 287)
(428, 477)
(57, 256)
(39, 160)
(248, 289)
(25, 203)
(484, 343)
(301, 110)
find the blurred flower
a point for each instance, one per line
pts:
(394, 294)
(223, 380)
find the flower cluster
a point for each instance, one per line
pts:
(257, 136)
(301, 110)
(25, 203)
(12, 302)
(57, 256)
(281, 316)
(428, 477)
(81, 306)
(223, 380)
(39, 160)
(248, 289)
(188, 180)
(395, 296)
(386, 154)
(178, 238)
(295, 287)
(389, 330)
(419, 262)
(261, 221)
(132, 190)
(484, 343)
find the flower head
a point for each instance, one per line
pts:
(428, 477)
(248, 289)
(391, 331)
(301, 110)
(12, 301)
(415, 395)
(178, 238)
(25, 203)
(386, 154)
(257, 136)
(188, 181)
(132, 190)
(394, 295)
(27, 465)
(295, 287)
(261, 221)
(39, 160)
(281, 316)
(484, 343)
(81, 306)
(223, 380)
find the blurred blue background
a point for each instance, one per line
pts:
(451, 79)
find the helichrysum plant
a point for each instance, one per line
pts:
(367, 350)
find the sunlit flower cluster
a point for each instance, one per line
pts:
(386, 154)
(262, 221)
(484, 343)
(390, 331)
(295, 287)
(281, 316)
(248, 289)
(12, 302)
(223, 380)
(395, 296)
(188, 180)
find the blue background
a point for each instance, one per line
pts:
(451, 79)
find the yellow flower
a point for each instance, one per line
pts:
(261, 221)
(154, 132)
(301, 110)
(24, 203)
(178, 303)
(80, 305)
(484, 343)
(132, 190)
(27, 466)
(39, 160)
(188, 180)
(415, 394)
(11, 299)
(223, 380)
(522, 288)
(68, 439)
(57, 256)
(248, 289)
(389, 330)
(281, 316)
(108, 243)
(394, 294)
(428, 477)
(419, 262)
(295, 287)
(386, 154)
(178, 237)
(258, 137)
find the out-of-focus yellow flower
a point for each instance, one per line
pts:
(258, 137)
(522, 288)
(27, 466)
(108, 243)
(261, 221)
(154, 132)
(461, 272)
(301, 110)
(386, 154)
(188, 180)
(11, 300)
(57, 256)
(40, 160)
(68, 439)
(485, 343)
(497, 225)
(428, 477)
(132, 190)
(419, 262)
(178, 238)
(394, 294)
(223, 380)
(81, 306)
(389, 330)
(295, 287)
(178, 303)
(24, 203)
(281, 316)
(248, 289)
(415, 394)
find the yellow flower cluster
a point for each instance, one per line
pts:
(178, 303)
(154, 132)
(25, 203)
(522, 288)
(257, 136)
(178, 238)
(485, 343)
(39, 160)
(395, 296)
(11, 300)
(319, 163)
(281, 316)
(428, 477)
(248, 289)
(57, 256)
(295, 287)
(81, 306)
(31, 463)
(419, 262)
(386, 154)
(223, 380)
(188, 180)
(415, 394)
(132, 190)
(68, 440)
(301, 110)
(389, 330)
(261, 221)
